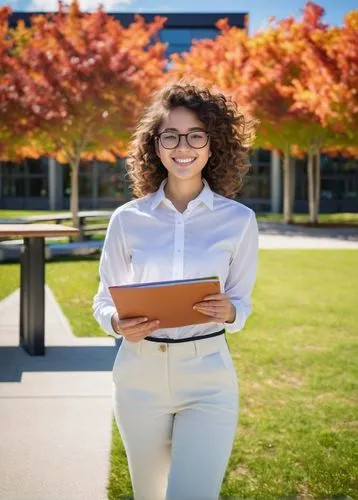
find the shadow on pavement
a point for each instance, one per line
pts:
(14, 360)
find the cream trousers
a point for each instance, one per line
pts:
(176, 408)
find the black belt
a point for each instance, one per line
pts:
(188, 339)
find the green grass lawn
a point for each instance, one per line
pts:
(297, 366)
(74, 281)
(14, 214)
(339, 218)
(349, 219)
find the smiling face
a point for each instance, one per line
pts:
(184, 161)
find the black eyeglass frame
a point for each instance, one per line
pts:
(158, 137)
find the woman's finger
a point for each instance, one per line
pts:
(214, 303)
(217, 296)
(140, 336)
(213, 314)
(139, 329)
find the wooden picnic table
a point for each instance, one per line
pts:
(58, 218)
(32, 279)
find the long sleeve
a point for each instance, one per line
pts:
(114, 269)
(242, 275)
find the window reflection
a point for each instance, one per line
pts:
(199, 33)
(176, 36)
(24, 179)
(339, 179)
(111, 182)
(180, 39)
(257, 183)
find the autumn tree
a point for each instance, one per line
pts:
(298, 77)
(83, 79)
(251, 70)
(15, 121)
(329, 93)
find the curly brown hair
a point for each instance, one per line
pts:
(231, 132)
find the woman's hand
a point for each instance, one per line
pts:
(218, 307)
(133, 329)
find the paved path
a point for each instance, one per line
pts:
(55, 411)
(277, 235)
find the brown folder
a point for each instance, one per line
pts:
(170, 301)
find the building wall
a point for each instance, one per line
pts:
(104, 185)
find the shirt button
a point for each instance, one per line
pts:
(162, 347)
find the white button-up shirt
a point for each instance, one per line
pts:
(148, 239)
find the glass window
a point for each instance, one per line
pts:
(176, 35)
(111, 182)
(351, 188)
(14, 187)
(199, 33)
(300, 186)
(326, 163)
(264, 156)
(256, 187)
(38, 166)
(86, 167)
(85, 185)
(38, 186)
(66, 175)
(250, 189)
(7, 168)
(261, 169)
(264, 188)
(14, 169)
(349, 165)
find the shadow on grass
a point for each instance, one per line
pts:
(75, 258)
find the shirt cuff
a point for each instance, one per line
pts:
(106, 323)
(242, 313)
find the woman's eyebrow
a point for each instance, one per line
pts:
(170, 129)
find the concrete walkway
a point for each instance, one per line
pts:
(55, 411)
(277, 235)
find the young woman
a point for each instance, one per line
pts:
(175, 392)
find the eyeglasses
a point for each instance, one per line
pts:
(195, 139)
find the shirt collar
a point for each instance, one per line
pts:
(206, 195)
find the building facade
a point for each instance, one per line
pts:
(44, 184)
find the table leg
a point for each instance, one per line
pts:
(82, 228)
(24, 294)
(33, 296)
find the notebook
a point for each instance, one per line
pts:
(169, 301)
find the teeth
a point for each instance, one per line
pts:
(182, 160)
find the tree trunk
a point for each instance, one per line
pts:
(314, 181)
(318, 182)
(287, 187)
(293, 182)
(74, 192)
(310, 186)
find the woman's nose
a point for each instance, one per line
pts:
(183, 143)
